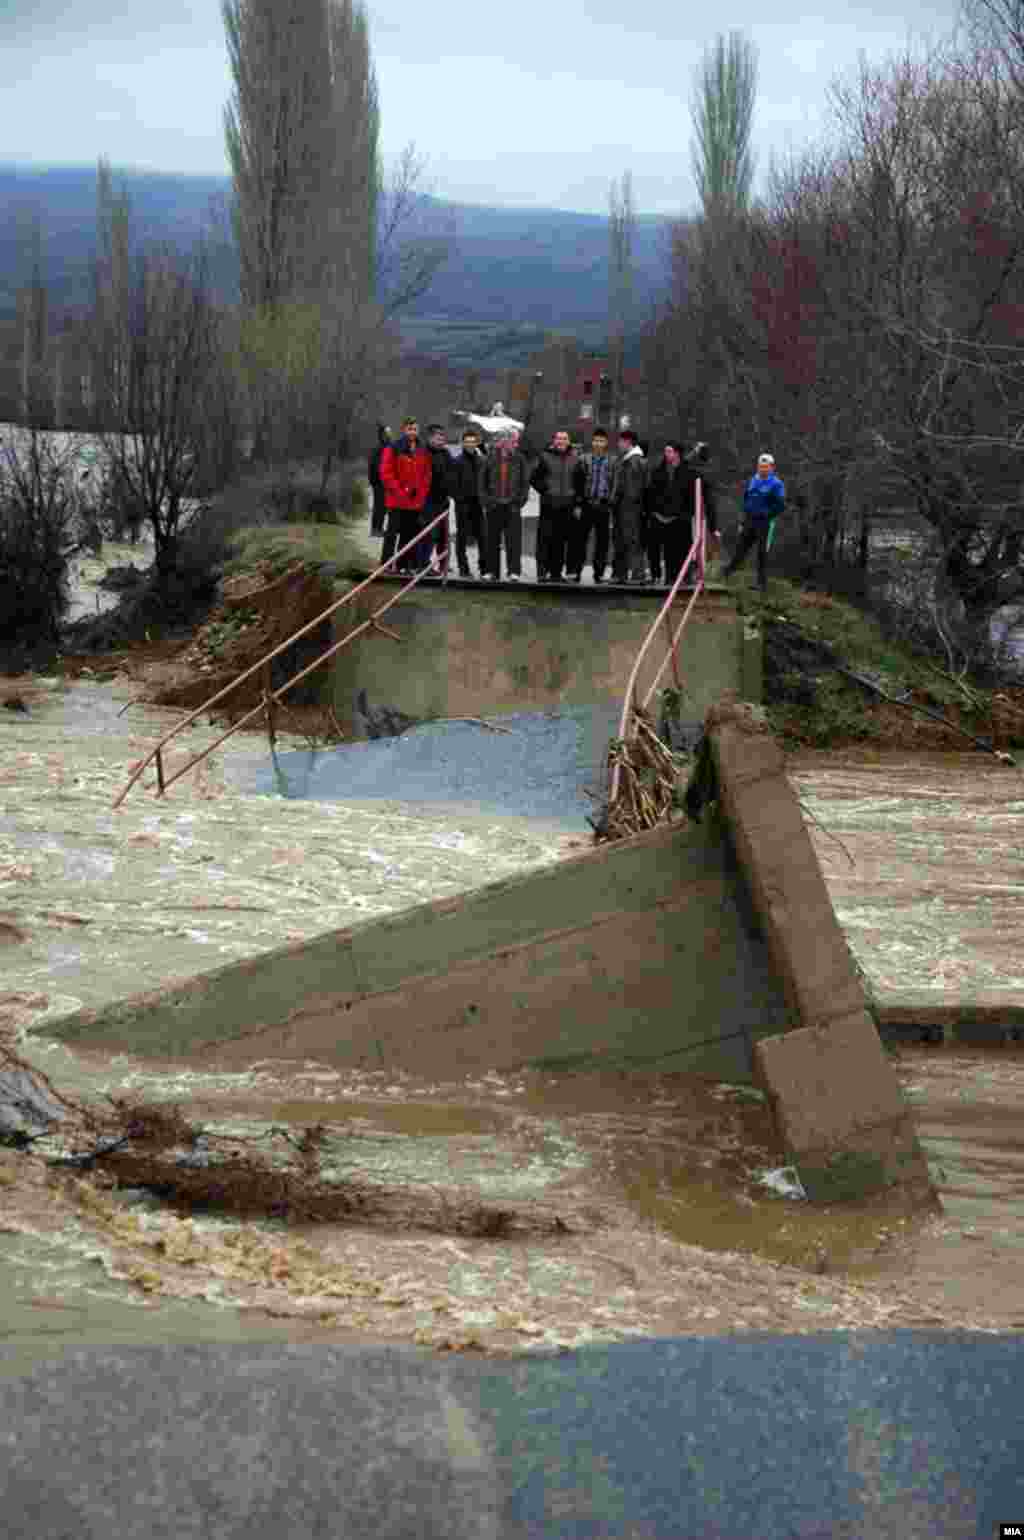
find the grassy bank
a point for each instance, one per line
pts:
(811, 704)
(280, 546)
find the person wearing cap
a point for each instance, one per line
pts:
(763, 501)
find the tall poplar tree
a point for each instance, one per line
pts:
(36, 390)
(301, 131)
(276, 134)
(621, 235)
(723, 115)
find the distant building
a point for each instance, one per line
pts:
(592, 395)
(578, 391)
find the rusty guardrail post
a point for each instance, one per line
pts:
(282, 647)
(269, 701)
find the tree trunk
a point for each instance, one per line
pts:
(325, 472)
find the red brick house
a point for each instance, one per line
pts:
(592, 397)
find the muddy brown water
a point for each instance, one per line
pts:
(657, 1181)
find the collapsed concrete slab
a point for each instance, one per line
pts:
(709, 947)
(645, 954)
(838, 1108)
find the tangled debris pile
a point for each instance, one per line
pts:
(648, 792)
(153, 1147)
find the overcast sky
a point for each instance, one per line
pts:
(541, 103)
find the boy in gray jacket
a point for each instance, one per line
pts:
(629, 496)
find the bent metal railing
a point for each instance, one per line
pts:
(698, 554)
(155, 756)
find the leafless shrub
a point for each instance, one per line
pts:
(39, 508)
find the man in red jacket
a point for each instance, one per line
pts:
(405, 470)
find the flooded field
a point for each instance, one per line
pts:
(634, 1205)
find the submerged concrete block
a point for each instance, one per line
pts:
(839, 1110)
(824, 1082)
(870, 1161)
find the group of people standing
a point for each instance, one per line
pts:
(611, 509)
(641, 519)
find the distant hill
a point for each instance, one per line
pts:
(514, 274)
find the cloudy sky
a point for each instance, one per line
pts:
(541, 103)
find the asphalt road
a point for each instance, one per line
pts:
(840, 1437)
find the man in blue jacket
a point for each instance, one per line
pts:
(763, 501)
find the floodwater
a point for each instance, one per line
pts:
(537, 765)
(98, 903)
(922, 859)
(660, 1184)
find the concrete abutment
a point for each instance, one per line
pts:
(480, 649)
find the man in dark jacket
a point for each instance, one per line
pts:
(405, 470)
(379, 511)
(554, 477)
(595, 477)
(504, 489)
(629, 495)
(763, 501)
(669, 511)
(469, 513)
(439, 495)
